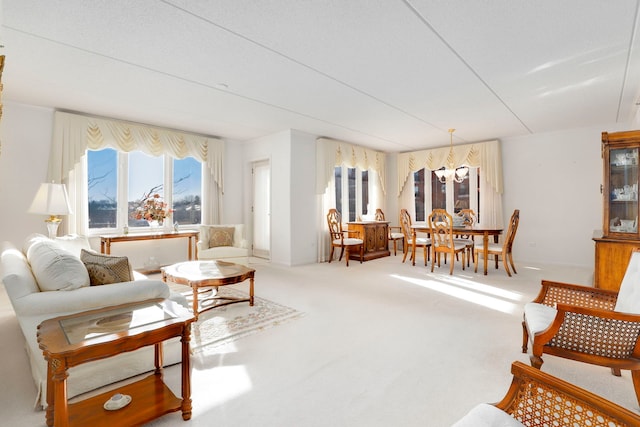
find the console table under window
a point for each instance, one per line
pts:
(107, 239)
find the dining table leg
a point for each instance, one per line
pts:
(413, 246)
(485, 242)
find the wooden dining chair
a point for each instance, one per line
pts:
(504, 250)
(467, 218)
(423, 242)
(443, 242)
(342, 238)
(394, 236)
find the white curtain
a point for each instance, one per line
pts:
(485, 155)
(331, 153)
(73, 134)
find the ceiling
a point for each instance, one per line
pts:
(393, 75)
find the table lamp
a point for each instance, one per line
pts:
(51, 199)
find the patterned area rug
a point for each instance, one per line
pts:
(229, 323)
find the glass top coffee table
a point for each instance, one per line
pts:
(204, 277)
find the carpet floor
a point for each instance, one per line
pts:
(380, 344)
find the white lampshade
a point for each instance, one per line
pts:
(51, 199)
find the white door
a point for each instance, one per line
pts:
(261, 209)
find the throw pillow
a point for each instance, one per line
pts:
(54, 268)
(221, 236)
(106, 269)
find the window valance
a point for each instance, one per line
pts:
(485, 155)
(332, 153)
(73, 134)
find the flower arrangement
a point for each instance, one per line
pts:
(152, 208)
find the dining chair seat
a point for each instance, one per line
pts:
(348, 241)
(397, 235)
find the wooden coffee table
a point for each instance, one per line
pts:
(202, 276)
(74, 339)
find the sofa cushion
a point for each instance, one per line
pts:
(485, 415)
(538, 316)
(106, 269)
(54, 268)
(73, 243)
(629, 293)
(221, 236)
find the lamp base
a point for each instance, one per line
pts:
(52, 225)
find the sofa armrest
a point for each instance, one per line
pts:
(87, 298)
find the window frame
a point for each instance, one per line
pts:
(122, 184)
(427, 192)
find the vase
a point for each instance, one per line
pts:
(154, 225)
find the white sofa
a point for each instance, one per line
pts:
(32, 306)
(215, 242)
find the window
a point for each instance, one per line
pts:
(102, 184)
(118, 181)
(352, 194)
(451, 196)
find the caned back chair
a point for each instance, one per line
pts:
(537, 399)
(443, 242)
(504, 250)
(395, 231)
(342, 238)
(423, 242)
(587, 324)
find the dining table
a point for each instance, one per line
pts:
(474, 230)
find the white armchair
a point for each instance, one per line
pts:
(225, 242)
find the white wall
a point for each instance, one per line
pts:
(293, 219)
(554, 179)
(25, 135)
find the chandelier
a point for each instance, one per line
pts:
(450, 172)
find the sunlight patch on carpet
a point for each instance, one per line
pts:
(229, 323)
(469, 295)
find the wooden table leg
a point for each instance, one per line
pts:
(251, 291)
(59, 406)
(195, 300)
(413, 246)
(485, 242)
(186, 374)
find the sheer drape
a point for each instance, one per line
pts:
(485, 155)
(73, 134)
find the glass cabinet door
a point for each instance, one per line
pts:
(623, 190)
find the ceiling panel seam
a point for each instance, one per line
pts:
(627, 66)
(465, 63)
(197, 83)
(302, 64)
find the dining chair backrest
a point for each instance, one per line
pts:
(468, 216)
(334, 221)
(441, 225)
(513, 227)
(405, 223)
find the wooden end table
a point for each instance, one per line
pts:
(74, 339)
(200, 275)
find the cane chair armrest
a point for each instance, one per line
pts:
(536, 397)
(594, 332)
(554, 293)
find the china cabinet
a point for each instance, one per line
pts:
(620, 207)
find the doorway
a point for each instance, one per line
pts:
(261, 209)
